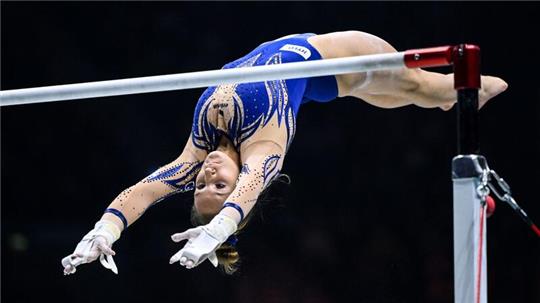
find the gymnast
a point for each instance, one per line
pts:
(240, 136)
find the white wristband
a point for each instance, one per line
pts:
(221, 227)
(107, 229)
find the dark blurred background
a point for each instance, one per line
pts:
(368, 215)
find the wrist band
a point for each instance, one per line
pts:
(119, 214)
(110, 229)
(235, 206)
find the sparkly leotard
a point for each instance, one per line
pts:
(238, 110)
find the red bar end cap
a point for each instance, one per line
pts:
(466, 59)
(428, 57)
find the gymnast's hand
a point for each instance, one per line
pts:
(203, 241)
(97, 243)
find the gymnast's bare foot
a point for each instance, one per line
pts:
(491, 87)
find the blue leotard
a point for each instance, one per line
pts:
(238, 110)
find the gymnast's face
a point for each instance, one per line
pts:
(215, 181)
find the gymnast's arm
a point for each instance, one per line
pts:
(129, 205)
(394, 88)
(175, 177)
(261, 162)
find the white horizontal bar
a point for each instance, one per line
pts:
(293, 70)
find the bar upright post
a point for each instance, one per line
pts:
(469, 176)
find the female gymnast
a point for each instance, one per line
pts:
(240, 136)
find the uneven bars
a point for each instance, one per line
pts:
(413, 58)
(470, 281)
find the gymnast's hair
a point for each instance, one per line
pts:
(227, 253)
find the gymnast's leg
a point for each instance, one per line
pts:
(394, 88)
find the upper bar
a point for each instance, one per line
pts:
(203, 79)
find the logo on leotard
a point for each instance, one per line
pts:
(302, 51)
(220, 105)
